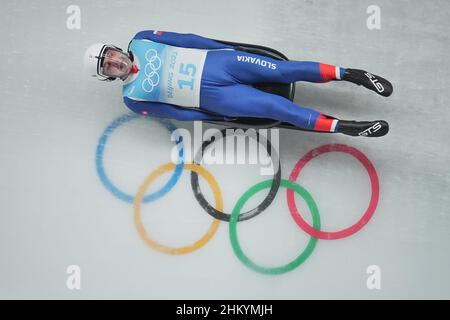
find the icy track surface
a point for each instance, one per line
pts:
(56, 212)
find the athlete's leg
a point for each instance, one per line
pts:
(241, 100)
(246, 67)
(243, 67)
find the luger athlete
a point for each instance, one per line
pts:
(189, 77)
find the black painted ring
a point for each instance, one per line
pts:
(245, 215)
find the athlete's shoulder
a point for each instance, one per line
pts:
(148, 34)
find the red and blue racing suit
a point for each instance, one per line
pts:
(189, 77)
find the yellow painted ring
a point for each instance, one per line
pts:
(137, 210)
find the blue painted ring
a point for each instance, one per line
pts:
(101, 169)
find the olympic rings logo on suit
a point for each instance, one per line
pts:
(151, 70)
(217, 211)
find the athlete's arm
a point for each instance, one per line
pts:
(187, 40)
(168, 111)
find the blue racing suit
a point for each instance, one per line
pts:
(189, 77)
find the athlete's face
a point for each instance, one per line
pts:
(116, 64)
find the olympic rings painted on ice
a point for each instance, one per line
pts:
(217, 211)
(151, 70)
(233, 223)
(137, 210)
(101, 169)
(251, 213)
(373, 200)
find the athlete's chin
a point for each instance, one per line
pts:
(125, 76)
(127, 72)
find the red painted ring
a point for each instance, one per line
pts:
(324, 235)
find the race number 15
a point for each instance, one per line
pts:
(189, 70)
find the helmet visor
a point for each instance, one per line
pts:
(114, 63)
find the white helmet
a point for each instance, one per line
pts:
(93, 59)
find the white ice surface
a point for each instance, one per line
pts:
(54, 211)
